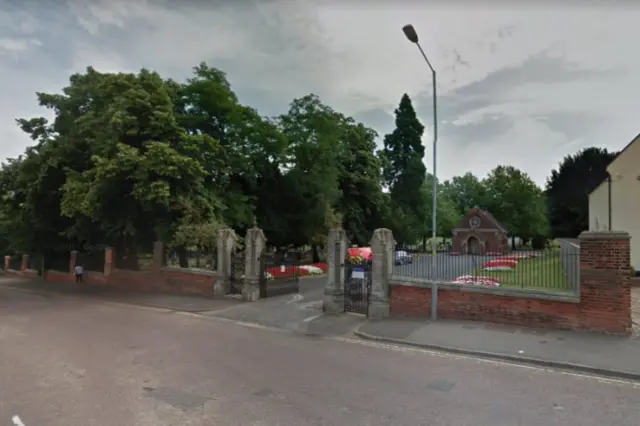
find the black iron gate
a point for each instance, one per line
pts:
(236, 274)
(357, 285)
(279, 273)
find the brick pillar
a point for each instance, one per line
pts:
(605, 293)
(159, 248)
(73, 257)
(333, 299)
(382, 246)
(108, 261)
(25, 263)
(226, 246)
(7, 263)
(254, 245)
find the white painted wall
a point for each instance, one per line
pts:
(625, 212)
(599, 208)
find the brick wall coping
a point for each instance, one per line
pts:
(604, 235)
(194, 271)
(165, 268)
(512, 292)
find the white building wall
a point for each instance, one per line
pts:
(599, 208)
(625, 212)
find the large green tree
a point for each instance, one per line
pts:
(251, 147)
(447, 215)
(129, 158)
(568, 189)
(404, 172)
(124, 172)
(297, 204)
(466, 192)
(515, 200)
(361, 203)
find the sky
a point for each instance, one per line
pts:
(518, 83)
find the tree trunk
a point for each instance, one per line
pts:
(424, 243)
(315, 254)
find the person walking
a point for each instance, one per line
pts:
(79, 270)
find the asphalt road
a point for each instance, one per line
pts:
(67, 361)
(447, 267)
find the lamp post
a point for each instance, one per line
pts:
(412, 35)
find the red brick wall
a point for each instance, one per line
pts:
(604, 302)
(158, 279)
(455, 303)
(167, 280)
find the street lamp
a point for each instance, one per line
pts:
(412, 35)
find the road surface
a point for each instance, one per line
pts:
(68, 361)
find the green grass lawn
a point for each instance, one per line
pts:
(544, 272)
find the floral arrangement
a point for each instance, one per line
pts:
(356, 260)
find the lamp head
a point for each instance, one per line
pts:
(410, 33)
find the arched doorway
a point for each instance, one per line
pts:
(473, 245)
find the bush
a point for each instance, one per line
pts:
(632, 271)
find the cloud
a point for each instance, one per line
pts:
(522, 84)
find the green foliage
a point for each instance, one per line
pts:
(361, 204)
(404, 171)
(465, 192)
(447, 216)
(515, 200)
(131, 158)
(568, 190)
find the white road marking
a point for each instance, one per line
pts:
(311, 318)
(296, 298)
(252, 325)
(398, 348)
(16, 421)
(316, 304)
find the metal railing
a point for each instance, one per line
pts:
(548, 270)
(36, 262)
(570, 255)
(15, 263)
(279, 273)
(193, 259)
(92, 260)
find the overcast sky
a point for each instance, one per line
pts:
(521, 85)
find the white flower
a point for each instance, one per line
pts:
(312, 270)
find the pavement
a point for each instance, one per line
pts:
(82, 361)
(187, 303)
(601, 354)
(296, 312)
